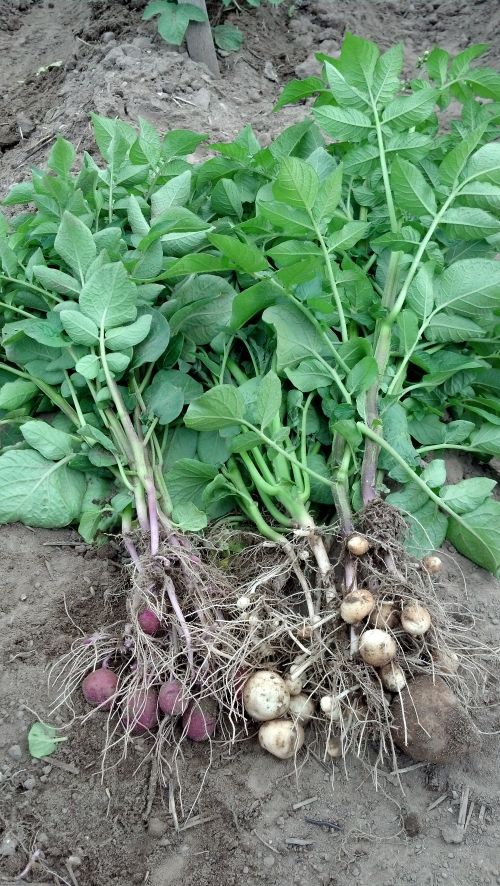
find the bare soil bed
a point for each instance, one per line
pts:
(59, 61)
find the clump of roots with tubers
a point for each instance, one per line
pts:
(249, 368)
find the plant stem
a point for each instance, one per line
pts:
(25, 285)
(331, 279)
(46, 389)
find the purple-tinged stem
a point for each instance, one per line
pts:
(140, 507)
(370, 459)
(132, 552)
(153, 518)
(172, 596)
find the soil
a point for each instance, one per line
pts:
(59, 61)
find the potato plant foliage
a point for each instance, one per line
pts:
(283, 332)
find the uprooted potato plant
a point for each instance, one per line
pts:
(250, 367)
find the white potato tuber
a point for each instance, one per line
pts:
(358, 545)
(446, 660)
(377, 647)
(301, 708)
(415, 619)
(265, 696)
(356, 606)
(331, 707)
(393, 677)
(334, 747)
(243, 603)
(282, 738)
(293, 684)
(384, 615)
(432, 565)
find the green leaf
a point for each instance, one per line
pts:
(408, 328)
(253, 300)
(437, 65)
(61, 156)
(320, 493)
(395, 425)
(118, 362)
(486, 439)
(156, 342)
(38, 492)
(88, 366)
(407, 111)
(470, 285)
(386, 76)
(297, 183)
(228, 37)
(309, 375)
(347, 236)
(297, 338)
(188, 517)
(80, 329)
(427, 530)
(163, 398)
(409, 499)
(362, 375)
(221, 407)
(329, 195)
(484, 165)
(343, 124)
(122, 337)
(298, 90)
(455, 161)
(47, 440)
(181, 443)
(174, 20)
(75, 244)
(42, 741)
(187, 480)
(468, 223)
(269, 400)
(56, 281)
(290, 251)
(246, 257)
(420, 296)
(175, 192)
(468, 494)
(108, 297)
(180, 142)
(446, 327)
(14, 394)
(205, 310)
(476, 535)
(226, 199)
(411, 190)
(190, 388)
(435, 473)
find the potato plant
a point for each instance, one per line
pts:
(251, 367)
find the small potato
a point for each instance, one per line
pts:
(358, 545)
(293, 684)
(200, 720)
(445, 660)
(393, 677)
(330, 706)
(415, 619)
(384, 615)
(149, 622)
(265, 696)
(377, 647)
(438, 728)
(356, 606)
(282, 738)
(432, 565)
(301, 708)
(141, 710)
(99, 688)
(334, 747)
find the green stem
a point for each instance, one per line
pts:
(76, 402)
(25, 285)
(319, 329)
(385, 173)
(331, 279)
(248, 505)
(46, 389)
(383, 444)
(17, 310)
(258, 479)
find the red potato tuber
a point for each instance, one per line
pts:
(149, 622)
(99, 688)
(170, 698)
(200, 720)
(141, 710)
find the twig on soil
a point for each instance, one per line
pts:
(304, 803)
(437, 802)
(153, 784)
(464, 802)
(66, 767)
(196, 822)
(267, 845)
(319, 822)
